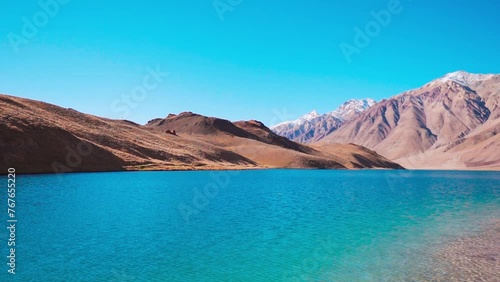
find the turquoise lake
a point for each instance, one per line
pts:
(263, 225)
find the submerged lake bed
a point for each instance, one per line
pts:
(262, 225)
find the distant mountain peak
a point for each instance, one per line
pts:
(313, 114)
(459, 72)
(352, 107)
(307, 117)
(464, 78)
(312, 126)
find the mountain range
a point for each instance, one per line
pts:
(313, 127)
(37, 137)
(449, 123)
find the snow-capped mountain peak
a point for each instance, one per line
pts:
(346, 111)
(309, 116)
(352, 107)
(464, 78)
(313, 126)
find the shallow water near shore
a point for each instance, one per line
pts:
(265, 225)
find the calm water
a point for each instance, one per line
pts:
(269, 225)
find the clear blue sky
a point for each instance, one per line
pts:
(264, 57)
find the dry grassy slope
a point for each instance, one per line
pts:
(34, 135)
(250, 139)
(188, 123)
(266, 148)
(195, 124)
(37, 137)
(266, 135)
(440, 125)
(348, 155)
(355, 156)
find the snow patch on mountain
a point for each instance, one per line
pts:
(343, 112)
(464, 78)
(312, 126)
(352, 107)
(307, 117)
(310, 116)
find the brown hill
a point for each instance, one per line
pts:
(449, 123)
(201, 126)
(37, 137)
(255, 141)
(195, 124)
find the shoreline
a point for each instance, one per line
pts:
(172, 169)
(198, 168)
(248, 169)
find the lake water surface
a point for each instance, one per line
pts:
(264, 225)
